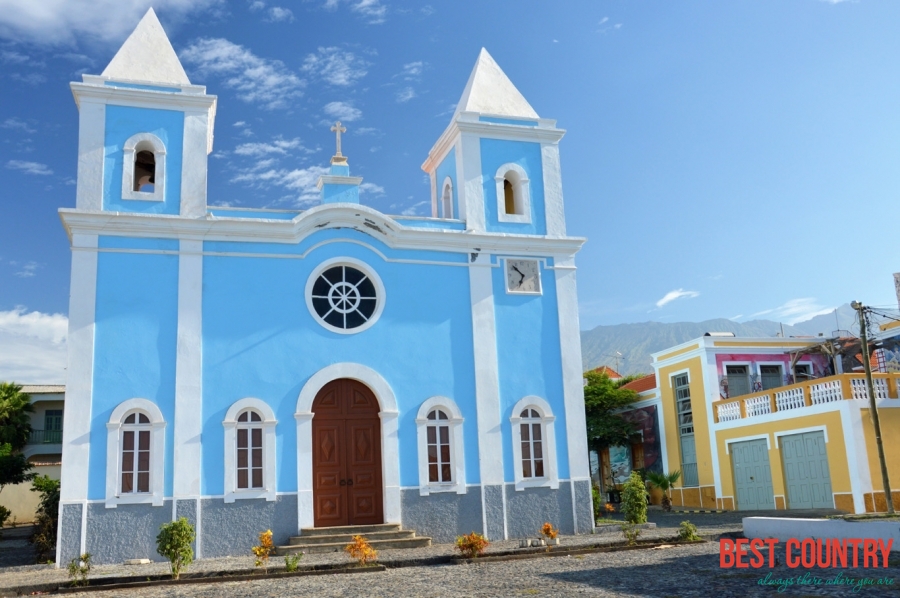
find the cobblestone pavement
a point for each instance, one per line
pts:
(688, 571)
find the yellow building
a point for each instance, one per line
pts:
(772, 424)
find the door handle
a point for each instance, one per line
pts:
(343, 482)
(349, 482)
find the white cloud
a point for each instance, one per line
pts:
(301, 181)
(257, 80)
(406, 94)
(27, 270)
(279, 14)
(414, 209)
(61, 22)
(413, 69)
(371, 188)
(10, 57)
(15, 123)
(29, 167)
(365, 131)
(33, 347)
(343, 111)
(335, 66)
(373, 10)
(277, 146)
(254, 6)
(676, 294)
(795, 310)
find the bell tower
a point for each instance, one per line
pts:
(145, 133)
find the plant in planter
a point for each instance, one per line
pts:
(631, 532)
(665, 482)
(687, 532)
(265, 548)
(174, 542)
(292, 562)
(550, 534)
(361, 550)
(78, 569)
(634, 499)
(471, 545)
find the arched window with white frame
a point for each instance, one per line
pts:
(144, 168)
(513, 194)
(441, 447)
(249, 450)
(135, 454)
(446, 202)
(534, 444)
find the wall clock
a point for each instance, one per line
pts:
(523, 276)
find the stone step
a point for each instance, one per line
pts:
(361, 530)
(418, 542)
(347, 538)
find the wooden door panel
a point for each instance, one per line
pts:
(347, 456)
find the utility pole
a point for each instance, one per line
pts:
(864, 339)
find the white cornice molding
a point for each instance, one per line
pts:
(335, 215)
(333, 179)
(545, 132)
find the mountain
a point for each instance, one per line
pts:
(635, 342)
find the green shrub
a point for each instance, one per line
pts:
(78, 569)
(4, 515)
(598, 502)
(174, 543)
(631, 532)
(46, 518)
(687, 532)
(634, 499)
(292, 562)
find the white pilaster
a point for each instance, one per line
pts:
(91, 133)
(188, 372)
(572, 375)
(553, 198)
(470, 186)
(79, 383)
(857, 453)
(487, 377)
(194, 164)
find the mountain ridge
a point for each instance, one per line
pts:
(635, 342)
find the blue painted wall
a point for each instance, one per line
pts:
(447, 168)
(529, 359)
(122, 123)
(135, 342)
(494, 154)
(260, 340)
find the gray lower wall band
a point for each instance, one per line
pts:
(126, 532)
(232, 529)
(69, 533)
(442, 516)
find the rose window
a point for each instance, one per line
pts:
(344, 297)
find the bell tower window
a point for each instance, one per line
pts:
(143, 168)
(447, 199)
(513, 194)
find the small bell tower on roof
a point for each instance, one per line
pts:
(147, 55)
(489, 91)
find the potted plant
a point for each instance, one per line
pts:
(664, 481)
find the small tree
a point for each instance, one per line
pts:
(665, 482)
(602, 397)
(634, 499)
(265, 548)
(15, 428)
(46, 517)
(174, 543)
(361, 550)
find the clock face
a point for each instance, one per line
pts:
(523, 276)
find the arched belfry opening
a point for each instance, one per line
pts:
(144, 171)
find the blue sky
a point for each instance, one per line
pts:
(724, 159)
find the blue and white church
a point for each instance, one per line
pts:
(255, 369)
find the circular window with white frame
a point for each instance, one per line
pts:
(345, 295)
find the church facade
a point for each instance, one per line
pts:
(255, 369)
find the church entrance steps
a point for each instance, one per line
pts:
(333, 539)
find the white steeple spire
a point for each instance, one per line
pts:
(489, 91)
(147, 55)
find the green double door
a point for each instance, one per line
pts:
(806, 472)
(752, 475)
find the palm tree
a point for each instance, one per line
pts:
(664, 481)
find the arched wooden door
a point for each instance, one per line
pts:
(346, 433)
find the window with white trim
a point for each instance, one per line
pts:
(513, 194)
(144, 168)
(534, 444)
(135, 454)
(447, 199)
(249, 450)
(135, 464)
(440, 440)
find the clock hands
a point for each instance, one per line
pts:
(521, 280)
